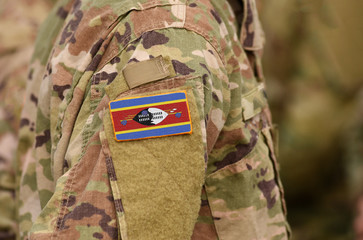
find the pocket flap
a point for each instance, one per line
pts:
(253, 102)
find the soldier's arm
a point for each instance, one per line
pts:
(148, 113)
(160, 168)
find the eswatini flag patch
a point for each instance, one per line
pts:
(151, 116)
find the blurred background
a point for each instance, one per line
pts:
(19, 23)
(314, 78)
(314, 75)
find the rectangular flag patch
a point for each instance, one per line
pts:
(151, 116)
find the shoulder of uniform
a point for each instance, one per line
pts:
(105, 28)
(199, 17)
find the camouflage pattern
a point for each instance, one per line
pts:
(315, 86)
(19, 21)
(71, 182)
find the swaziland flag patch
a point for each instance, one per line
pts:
(151, 116)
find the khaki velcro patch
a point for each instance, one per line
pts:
(151, 70)
(159, 180)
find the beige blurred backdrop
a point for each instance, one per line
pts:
(314, 76)
(19, 23)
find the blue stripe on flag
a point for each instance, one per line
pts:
(147, 100)
(154, 132)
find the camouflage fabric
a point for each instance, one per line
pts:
(77, 182)
(315, 86)
(19, 21)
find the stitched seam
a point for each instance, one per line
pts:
(61, 213)
(114, 187)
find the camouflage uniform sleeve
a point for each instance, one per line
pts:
(177, 162)
(182, 63)
(232, 123)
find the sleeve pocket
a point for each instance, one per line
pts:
(157, 182)
(246, 196)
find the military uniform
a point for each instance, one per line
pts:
(19, 21)
(151, 123)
